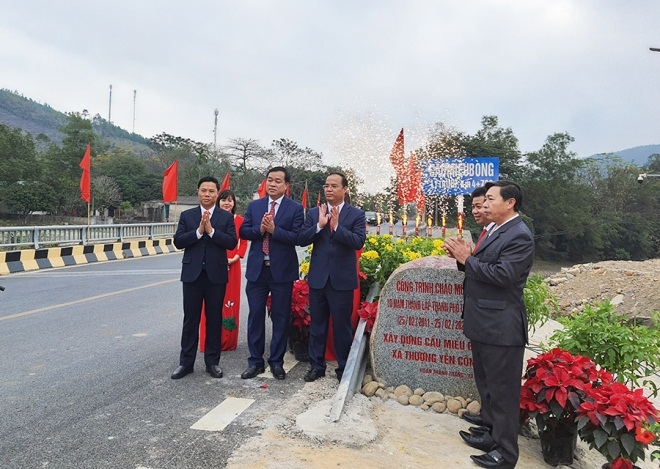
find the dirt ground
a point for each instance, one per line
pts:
(373, 433)
(633, 286)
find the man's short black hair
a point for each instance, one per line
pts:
(508, 190)
(209, 179)
(275, 169)
(479, 192)
(344, 181)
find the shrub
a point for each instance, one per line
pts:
(540, 302)
(630, 352)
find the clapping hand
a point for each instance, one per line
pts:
(267, 224)
(205, 224)
(458, 248)
(334, 218)
(324, 216)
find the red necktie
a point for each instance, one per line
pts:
(266, 244)
(483, 234)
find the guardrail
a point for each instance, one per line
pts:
(65, 235)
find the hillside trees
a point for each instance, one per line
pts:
(557, 200)
(62, 163)
(195, 160)
(135, 182)
(18, 156)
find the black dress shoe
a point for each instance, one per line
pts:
(252, 371)
(478, 431)
(181, 371)
(474, 419)
(214, 370)
(483, 442)
(492, 460)
(278, 372)
(313, 375)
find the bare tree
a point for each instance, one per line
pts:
(105, 192)
(289, 154)
(245, 155)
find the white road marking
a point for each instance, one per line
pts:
(223, 414)
(70, 273)
(85, 300)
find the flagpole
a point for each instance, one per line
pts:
(88, 221)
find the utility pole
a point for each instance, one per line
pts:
(215, 131)
(134, 98)
(110, 107)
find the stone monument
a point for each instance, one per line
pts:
(417, 338)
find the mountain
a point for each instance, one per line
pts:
(35, 118)
(636, 155)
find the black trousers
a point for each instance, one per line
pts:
(498, 372)
(213, 296)
(324, 303)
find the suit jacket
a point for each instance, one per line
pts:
(333, 256)
(283, 256)
(495, 275)
(213, 249)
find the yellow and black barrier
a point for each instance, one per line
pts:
(35, 259)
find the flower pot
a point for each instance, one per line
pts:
(300, 350)
(558, 447)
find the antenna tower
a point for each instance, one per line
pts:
(215, 131)
(110, 107)
(134, 98)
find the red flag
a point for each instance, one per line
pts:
(261, 190)
(85, 180)
(398, 160)
(318, 199)
(170, 189)
(397, 157)
(225, 182)
(304, 198)
(412, 189)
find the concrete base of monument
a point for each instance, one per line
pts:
(377, 434)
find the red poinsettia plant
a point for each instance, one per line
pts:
(615, 420)
(555, 386)
(368, 311)
(300, 305)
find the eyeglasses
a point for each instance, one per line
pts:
(331, 186)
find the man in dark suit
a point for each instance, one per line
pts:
(337, 230)
(271, 224)
(495, 319)
(205, 233)
(483, 424)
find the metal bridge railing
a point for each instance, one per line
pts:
(39, 236)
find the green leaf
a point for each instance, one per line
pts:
(613, 449)
(600, 438)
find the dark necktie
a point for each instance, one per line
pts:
(266, 244)
(207, 213)
(483, 234)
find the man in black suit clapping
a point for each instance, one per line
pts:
(495, 319)
(205, 233)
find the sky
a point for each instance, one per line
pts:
(343, 77)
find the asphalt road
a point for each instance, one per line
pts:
(87, 353)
